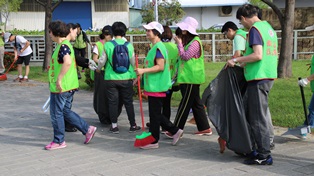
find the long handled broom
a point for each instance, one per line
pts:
(307, 129)
(146, 137)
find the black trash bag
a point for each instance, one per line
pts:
(81, 61)
(225, 108)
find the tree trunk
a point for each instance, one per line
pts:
(48, 41)
(285, 58)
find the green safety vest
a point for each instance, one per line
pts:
(267, 67)
(159, 81)
(192, 71)
(100, 47)
(312, 72)
(173, 55)
(79, 42)
(69, 80)
(110, 74)
(243, 34)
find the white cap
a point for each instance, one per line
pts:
(6, 36)
(310, 28)
(154, 25)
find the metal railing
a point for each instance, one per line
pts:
(212, 40)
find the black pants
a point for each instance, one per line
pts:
(191, 99)
(157, 119)
(117, 91)
(100, 101)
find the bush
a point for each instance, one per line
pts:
(8, 59)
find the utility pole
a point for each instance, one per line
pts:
(155, 4)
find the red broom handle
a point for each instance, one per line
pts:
(139, 93)
(10, 67)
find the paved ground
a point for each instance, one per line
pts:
(25, 130)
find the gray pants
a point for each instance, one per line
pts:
(258, 115)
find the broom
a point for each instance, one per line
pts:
(3, 76)
(146, 137)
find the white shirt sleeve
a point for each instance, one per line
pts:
(95, 50)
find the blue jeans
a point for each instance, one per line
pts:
(60, 110)
(311, 113)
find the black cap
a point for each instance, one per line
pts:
(107, 30)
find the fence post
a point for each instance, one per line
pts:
(213, 47)
(295, 45)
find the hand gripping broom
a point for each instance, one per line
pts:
(146, 137)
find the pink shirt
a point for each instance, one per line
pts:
(194, 51)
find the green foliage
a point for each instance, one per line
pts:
(259, 3)
(168, 12)
(26, 32)
(147, 13)
(8, 59)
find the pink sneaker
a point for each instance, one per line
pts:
(177, 136)
(150, 146)
(53, 146)
(90, 134)
(207, 132)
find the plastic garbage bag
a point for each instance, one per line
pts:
(225, 108)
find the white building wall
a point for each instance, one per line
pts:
(209, 16)
(26, 20)
(100, 19)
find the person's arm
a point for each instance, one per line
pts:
(27, 43)
(86, 38)
(159, 65)
(95, 53)
(102, 61)
(239, 46)
(67, 61)
(132, 60)
(193, 50)
(15, 53)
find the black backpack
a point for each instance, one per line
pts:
(120, 57)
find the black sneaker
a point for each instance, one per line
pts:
(134, 128)
(259, 161)
(114, 130)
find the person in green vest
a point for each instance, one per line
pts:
(260, 71)
(100, 101)
(119, 85)
(2, 69)
(63, 83)
(191, 74)
(303, 82)
(238, 36)
(80, 44)
(157, 81)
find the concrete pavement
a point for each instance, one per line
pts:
(25, 129)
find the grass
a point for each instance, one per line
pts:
(284, 101)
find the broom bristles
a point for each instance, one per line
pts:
(144, 139)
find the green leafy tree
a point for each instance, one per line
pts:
(168, 12)
(49, 6)
(7, 6)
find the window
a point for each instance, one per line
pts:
(111, 5)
